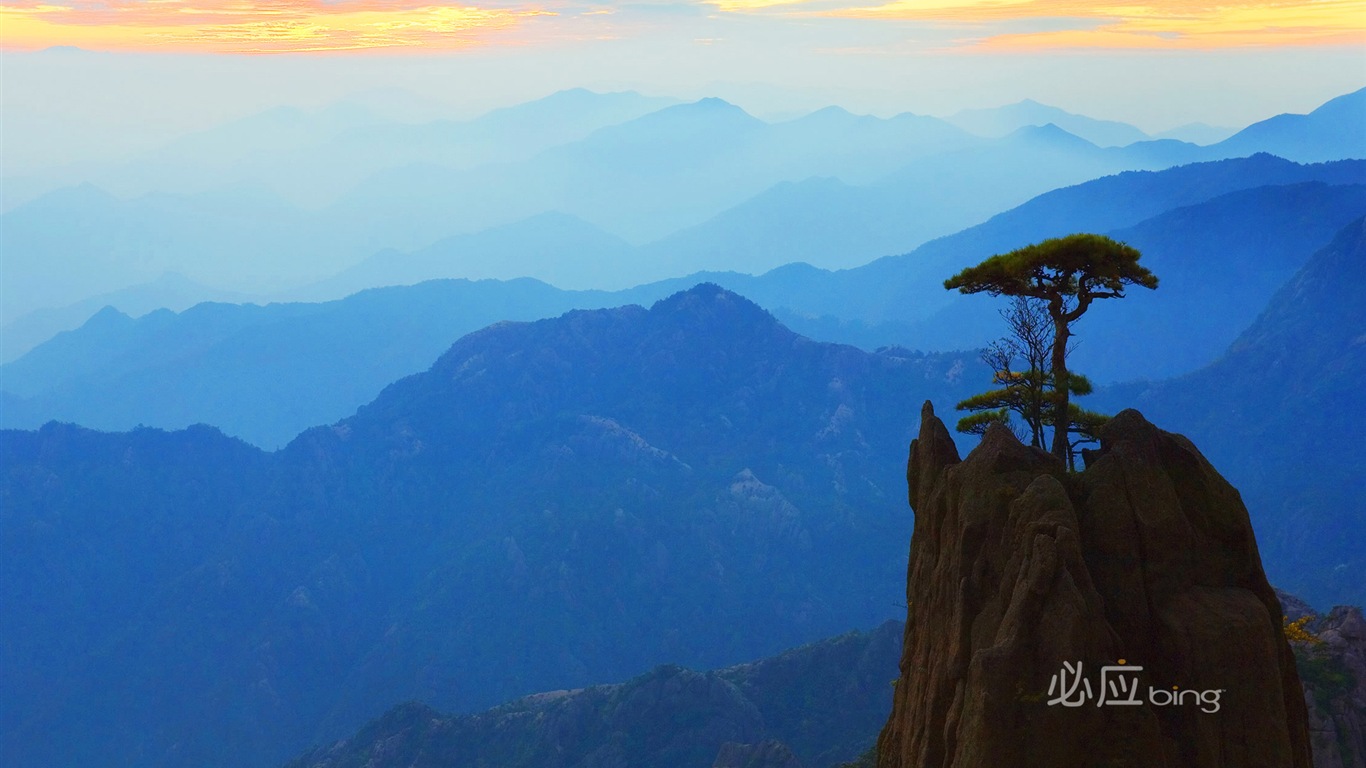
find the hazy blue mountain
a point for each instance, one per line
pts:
(858, 149)
(309, 156)
(660, 172)
(246, 151)
(566, 116)
(834, 225)
(1000, 121)
(556, 248)
(1219, 263)
(921, 179)
(824, 702)
(651, 176)
(621, 178)
(38, 275)
(1014, 169)
(396, 103)
(551, 505)
(820, 221)
(72, 244)
(1124, 199)
(688, 168)
(505, 135)
(170, 291)
(1334, 131)
(265, 373)
(897, 293)
(75, 243)
(900, 291)
(1197, 133)
(647, 179)
(831, 224)
(1275, 413)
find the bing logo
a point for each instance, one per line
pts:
(1119, 686)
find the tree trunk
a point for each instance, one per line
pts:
(1061, 390)
(1036, 398)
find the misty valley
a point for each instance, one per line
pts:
(619, 430)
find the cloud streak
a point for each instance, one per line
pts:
(257, 26)
(979, 26)
(1141, 24)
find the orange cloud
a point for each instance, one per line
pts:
(1141, 24)
(253, 26)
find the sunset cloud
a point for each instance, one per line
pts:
(255, 26)
(1142, 24)
(277, 26)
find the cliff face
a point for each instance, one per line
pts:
(1334, 674)
(1024, 582)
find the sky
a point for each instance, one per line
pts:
(88, 79)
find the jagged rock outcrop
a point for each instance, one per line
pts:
(1292, 606)
(1334, 675)
(1145, 563)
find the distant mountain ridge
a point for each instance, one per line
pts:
(1333, 131)
(1011, 117)
(551, 505)
(1219, 261)
(308, 156)
(288, 365)
(823, 701)
(558, 248)
(645, 178)
(170, 291)
(327, 359)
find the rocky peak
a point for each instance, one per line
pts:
(1025, 581)
(710, 308)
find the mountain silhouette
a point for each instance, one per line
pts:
(550, 505)
(1335, 130)
(1011, 117)
(326, 360)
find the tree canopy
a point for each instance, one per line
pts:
(1066, 274)
(1086, 266)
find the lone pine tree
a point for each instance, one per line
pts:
(1066, 274)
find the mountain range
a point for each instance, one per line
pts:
(562, 502)
(663, 178)
(1335, 130)
(261, 372)
(816, 705)
(1012, 117)
(551, 505)
(1219, 263)
(1249, 222)
(170, 291)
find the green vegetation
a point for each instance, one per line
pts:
(1322, 673)
(1063, 275)
(1025, 392)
